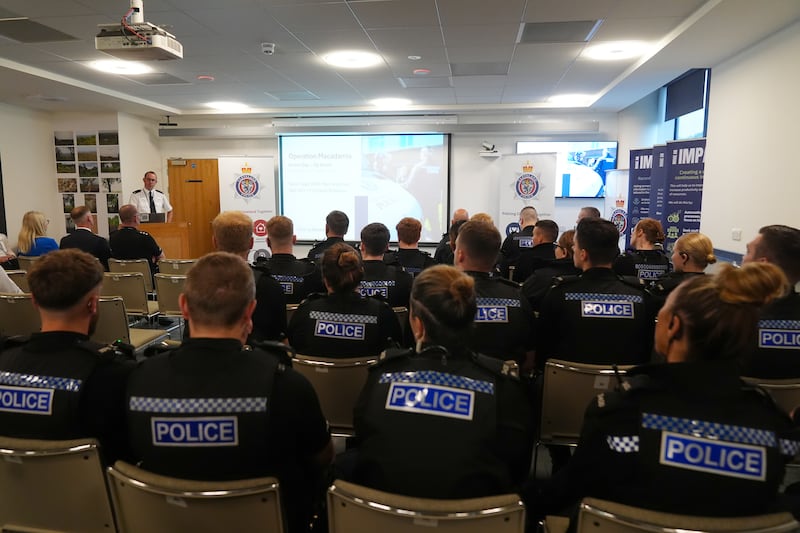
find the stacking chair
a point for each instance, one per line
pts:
(20, 278)
(149, 503)
(17, 315)
(134, 265)
(168, 288)
(112, 325)
(53, 486)
(132, 288)
(352, 507)
(785, 392)
(290, 309)
(338, 382)
(175, 266)
(26, 262)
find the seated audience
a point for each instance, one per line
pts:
(385, 281)
(444, 252)
(539, 282)
(408, 255)
(336, 225)
(32, 240)
(8, 259)
(691, 254)
(7, 285)
(519, 241)
(645, 258)
(84, 238)
(128, 242)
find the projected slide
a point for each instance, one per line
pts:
(372, 178)
(580, 165)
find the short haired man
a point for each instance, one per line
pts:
(336, 226)
(588, 211)
(444, 251)
(388, 282)
(233, 233)
(59, 384)
(130, 243)
(215, 410)
(84, 238)
(298, 277)
(530, 248)
(408, 255)
(778, 354)
(150, 199)
(504, 321)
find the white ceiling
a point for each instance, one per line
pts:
(222, 38)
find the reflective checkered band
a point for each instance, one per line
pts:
(635, 298)
(703, 428)
(779, 324)
(379, 283)
(341, 317)
(40, 382)
(626, 444)
(789, 447)
(291, 279)
(412, 270)
(492, 302)
(198, 405)
(432, 377)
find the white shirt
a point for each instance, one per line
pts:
(6, 285)
(141, 199)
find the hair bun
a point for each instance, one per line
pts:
(711, 259)
(753, 284)
(348, 260)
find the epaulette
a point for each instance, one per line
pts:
(564, 280)
(497, 366)
(137, 191)
(614, 398)
(262, 266)
(283, 352)
(313, 296)
(306, 260)
(633, 281)
(507, 281)
(394, 353)
(13, 341)
(158, 191)
(143, 233)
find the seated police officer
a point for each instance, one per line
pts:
(342, 323)
(442, 421)
(691, 254)
(688, 436)
(444, 250)
(215, 409)
(336, 225)
(386, 281)
(408, 255)
(535, 287)
(59, 384)
(298, 277)
(645, 258)
(519, 241)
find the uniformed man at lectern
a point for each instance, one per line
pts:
(150, 200)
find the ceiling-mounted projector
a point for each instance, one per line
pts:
(134, 39)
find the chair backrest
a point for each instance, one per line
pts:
(168, 288)
(568, 389)
(338, 382)
(785, 392)
(147, 502)
(290, 309)
(133, 265)
(112, 321)
(355, 508)
(599, 516)
(20, 278)
(17, 315)
(26, 261)
(53, 486)
(130, 286)
(175, 266)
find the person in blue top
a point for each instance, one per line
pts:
(32, 240)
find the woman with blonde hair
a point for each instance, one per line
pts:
(645, 258)
(691, 254)
(33, 240)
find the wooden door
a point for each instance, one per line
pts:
(194, 195)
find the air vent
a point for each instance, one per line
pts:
(24, 30)
(575, 31)
(499, 68)
(289, 96)
(157, 78)
(435, 82)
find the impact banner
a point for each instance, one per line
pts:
(684, 188)
(658, 183)
(641, 165)
(525, 180)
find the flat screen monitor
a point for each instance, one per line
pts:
(580, 165)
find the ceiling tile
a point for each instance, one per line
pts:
(475, 12)
(485, 54)
(298, 18)
(647, 29)
(396, 13)
(409, 40)
(564, 10)
(484, 35)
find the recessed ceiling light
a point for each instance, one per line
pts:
(391, 103)
(127, 68)
(616, 50)
(414, 58)
(228, 107)
(352, 59)
(571, 100)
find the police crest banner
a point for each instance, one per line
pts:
(247, 184)
(525, 180)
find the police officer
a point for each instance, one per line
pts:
(536, 285)
(597, 317)
(516, 242)
(386, 281)
(444, 250)
(408, 255)
(504, 320)
(691, 254)
(59, 384)
(336, 225)
(778, 354)
(149, 199)
(342, 323)
(130, 243)
(646, 258)
(681, 431)
(298, 277)
(214, 409)
(442, 422)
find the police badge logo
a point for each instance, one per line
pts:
(247, 185)
(620, 219)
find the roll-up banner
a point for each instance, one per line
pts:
(525, 180)
(617, 203)
(641, 165)
(247, 184)
(684, 188)
(658, 183)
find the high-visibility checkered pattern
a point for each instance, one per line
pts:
(496, 302)
(285, 278)
(703, 428)
(379, 283)
(595, 296)
(431, 377)
(779, 324)
(40, 382)
(623, 444)
(342, 317)
(789, 447)
(146, 404)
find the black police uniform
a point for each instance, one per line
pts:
(298, 277)
(539, 282)
(343, 325)
(215, 410)
(130, 243)
(316, 253)
(778, 354)
(387, 282)
(412, 260)
(443, 254)
(84, 239)
(647, 265)
(269, 317)
(687, 438)
(442, 425)
(519, 251)
(660, 288)
(598, 318)
(61, 385)
(504, 325)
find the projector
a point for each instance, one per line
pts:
(122, 42)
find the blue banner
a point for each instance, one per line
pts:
(658, 184)
(684, 188)
(641, 165)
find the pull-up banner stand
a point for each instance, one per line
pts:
(525, 180)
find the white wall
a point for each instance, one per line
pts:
(139, 151)
(752, 174)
